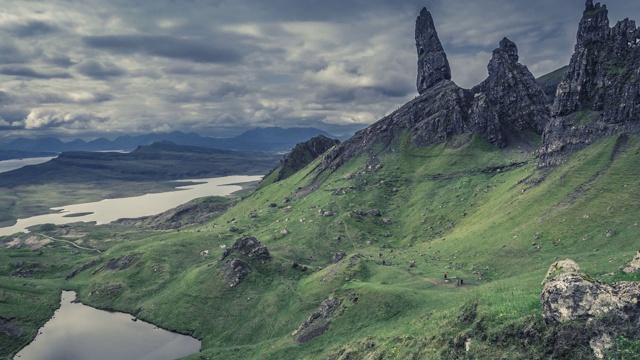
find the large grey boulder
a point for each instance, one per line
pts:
(573, 295)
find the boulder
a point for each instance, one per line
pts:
(573, 295)
(634, 265)
(566, 265)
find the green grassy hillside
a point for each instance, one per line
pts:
(403, 217)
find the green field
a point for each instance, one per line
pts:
(486, 215)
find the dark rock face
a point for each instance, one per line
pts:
(435, 116)
(433, 65)
(303, 154)
(509, 100)
(249, 246)
(599, 95)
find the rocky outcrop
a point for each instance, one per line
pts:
(433, 66)
(235, 270)
(302, 155)
(509, 101)
(318, 323)
(599, 95)
(248, 246)
(634, 265)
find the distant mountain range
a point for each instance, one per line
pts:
(272, 139)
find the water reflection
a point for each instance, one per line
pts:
(79, 332)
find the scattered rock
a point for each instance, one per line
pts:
(253, 215)
(375, 212)
(85, 266)
(339, 256)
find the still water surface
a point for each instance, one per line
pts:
(8, 165)
(80, 332)
(108, 210)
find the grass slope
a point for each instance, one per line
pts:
(468, 209)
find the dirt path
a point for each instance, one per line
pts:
(71, 243)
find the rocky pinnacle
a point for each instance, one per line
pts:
(433, 65)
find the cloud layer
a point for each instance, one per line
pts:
(76, 68)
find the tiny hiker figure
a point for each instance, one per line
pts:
(461, 282)
(445, 276)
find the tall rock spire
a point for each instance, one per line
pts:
(509, 100)
(433, 65)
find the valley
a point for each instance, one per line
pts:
(442, 231)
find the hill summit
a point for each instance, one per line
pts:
(598, 96)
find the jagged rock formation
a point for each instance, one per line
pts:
(248, 246)
(302, 155)
(599, 95)
(433, 65)
(573, 295)
(507, 102)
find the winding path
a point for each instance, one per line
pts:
(71, 243)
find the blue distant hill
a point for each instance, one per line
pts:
(272, 139)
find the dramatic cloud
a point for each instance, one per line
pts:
(34, 28)
(25, 71)
(99, 70)
(80, 68)
(166, 46)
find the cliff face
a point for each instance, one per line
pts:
(599, 94)
(302, 155)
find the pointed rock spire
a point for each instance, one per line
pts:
(433, 65)
(594, 24)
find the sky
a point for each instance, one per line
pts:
(103, 68)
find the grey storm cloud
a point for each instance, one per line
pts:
(99, 70)
(166, 46)
(25, 71)
(33, 28)
(11, 54)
